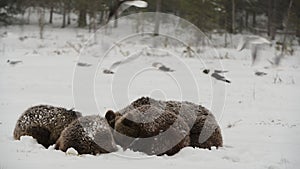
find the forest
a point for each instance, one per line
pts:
(231, 16)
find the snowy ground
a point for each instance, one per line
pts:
(260, 120)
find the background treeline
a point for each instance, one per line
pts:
(233, 16)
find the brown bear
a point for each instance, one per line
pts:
(150, 130)
(87, 135)
(204, 130)
(44, 123)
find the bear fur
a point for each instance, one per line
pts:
(204, 131)
(87, 135)
(44, 123)
(151, 130)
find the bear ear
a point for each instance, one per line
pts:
(110, 115)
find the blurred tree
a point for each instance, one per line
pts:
(157, 19)
(295, 17)
(201, 13)
(8, 8)
(51, 4)
(233, 20)
(81, 6)
(94, 6)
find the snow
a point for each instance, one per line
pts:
(92, 128)
(71, 151)
(260, 119)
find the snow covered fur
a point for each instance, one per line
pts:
(44, 123)
(87, 135)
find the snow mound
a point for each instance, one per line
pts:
(71, 151)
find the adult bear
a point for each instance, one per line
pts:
(44, 123)
(87, 135)
(150, 130)
(204, 131)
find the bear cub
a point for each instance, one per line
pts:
(44, 123)
(87, 135)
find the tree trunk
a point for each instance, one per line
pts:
(69, 13)
(51, 15)
(116, 20)
(41, 20)
(233, 17)
(225, 40)
(274, 21)
(247, 19)
(64, 17)
(270, 17)
(28, 16)
(69, 18)
(287, 27)
(254, 19)
(298, 30)
(241, 24)
(101, 17)
(157, 19)
(92, 22)
(82, 18)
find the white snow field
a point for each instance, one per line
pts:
(260, 120)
